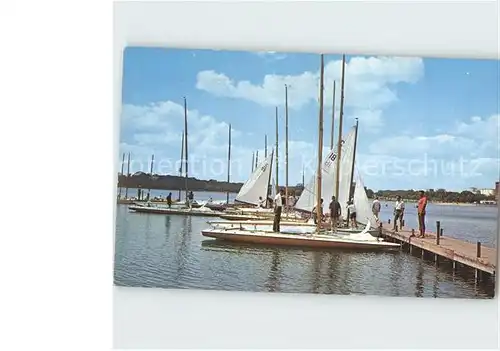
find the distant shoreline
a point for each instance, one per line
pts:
(438, 203)
(455, 204)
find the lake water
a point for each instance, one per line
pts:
(170, 252)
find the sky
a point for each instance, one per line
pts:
(423, 123)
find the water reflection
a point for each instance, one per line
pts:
(333, 274)
(316, 273)
(419, 286)
(273, 278)
(435, 286)
(182, 254)
(170, 252)
(168, 224)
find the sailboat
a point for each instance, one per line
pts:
(364, 212)
(301, 238)
(203, 210)
(308, 198)
(252, 193)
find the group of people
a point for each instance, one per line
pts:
(399, 210)
(336, 212)
(269, 202)
(189, 201)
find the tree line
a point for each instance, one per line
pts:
(171, 182)
(439, 195)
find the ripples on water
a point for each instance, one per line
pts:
(170, 252)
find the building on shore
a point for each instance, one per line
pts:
(487, 192)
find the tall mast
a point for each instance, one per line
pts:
(182, 162)
(320, 148)
(286, 149)
(265, 146)
(341, 117)
(353, 160)
(256, 159)
(228, 164)
(121, 175)
(270, 173)
(128, 175)
(186, 145)
(151, 174)
(277, 181)
(253, 161)
(333, 117)
(303, 177)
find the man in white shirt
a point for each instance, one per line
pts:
(399, 210)
(376, 208)
(278, 204)
(351, 209)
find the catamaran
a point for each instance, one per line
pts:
(303, 236)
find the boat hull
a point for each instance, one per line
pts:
(255, 224)
(238, 217)
(174, 211)
(291, 240)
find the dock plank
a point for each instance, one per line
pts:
(450, 248)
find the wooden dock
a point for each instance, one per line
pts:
(480, 258)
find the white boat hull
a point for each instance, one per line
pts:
(202, 212)
(285, 227)
(297, 240)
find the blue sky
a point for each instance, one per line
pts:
(423, 123)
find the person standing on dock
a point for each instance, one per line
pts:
(335, 212)
(169, 200)
(352, 214)
(399, 209)
(421, 206)
(376, 208)
(278, 204)
(190, 199)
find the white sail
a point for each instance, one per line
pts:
(307, 199)
(346, 162)
(364, 213)
(258, 183)
(273, 189)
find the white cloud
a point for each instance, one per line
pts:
(480, 127)
(463, 157)
(273, 55)
(370, 85)
(479, 138)
(468, 155)
(157, 128)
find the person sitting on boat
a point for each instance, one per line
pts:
(335, 212)
(262, 202)
(399, 209)
(169, 200)
(269, 202)
(352, 214)
(315, 214)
